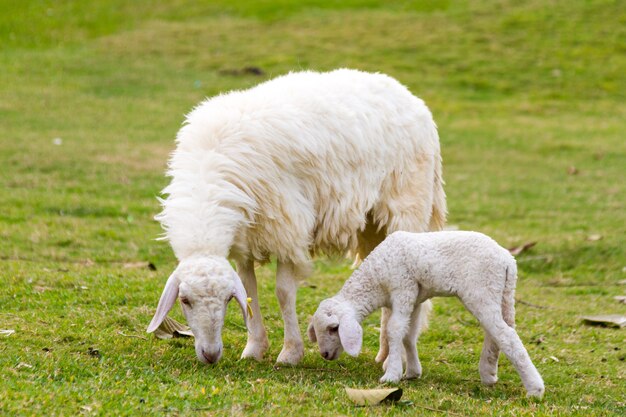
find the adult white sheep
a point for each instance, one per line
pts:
(407, 269)
(305, 163)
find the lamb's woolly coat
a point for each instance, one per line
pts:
(407, 269)
(296, 165)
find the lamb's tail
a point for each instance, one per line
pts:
(439, 209)
(425, 311)
(508, 297)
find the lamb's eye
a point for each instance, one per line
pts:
(186, 302)
(333, 329)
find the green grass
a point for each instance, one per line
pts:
(521, 91)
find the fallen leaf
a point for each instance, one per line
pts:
(373, 396)
(516, 250)
(572, 170)
(554, 358)
(620, 299)
(170, 328)
(594, 237)
(7, 332)
(609, 320)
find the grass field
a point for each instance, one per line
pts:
(529, 97)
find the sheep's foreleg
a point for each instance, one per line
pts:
(258, 342)
(286, 287)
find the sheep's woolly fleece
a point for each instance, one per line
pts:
(296, 165)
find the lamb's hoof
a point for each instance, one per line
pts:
(489, 380)
(535, 392)
(254, 351)
(290, 356)
(390, 378)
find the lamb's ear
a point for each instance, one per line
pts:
(239, 292)
(350, 334)
(311, 332)
(166, 302)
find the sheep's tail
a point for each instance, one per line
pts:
(439, 209)
(508, 296)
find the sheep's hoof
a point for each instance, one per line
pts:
(254, 351)
(412, 375)
(290, 356)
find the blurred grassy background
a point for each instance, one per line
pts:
(529, 99)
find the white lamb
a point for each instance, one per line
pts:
(407, 269)
(302, 164)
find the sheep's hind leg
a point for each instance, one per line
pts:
(383, 350)
(507, 339)
(413, 365)
(258, 342)
(286, 288)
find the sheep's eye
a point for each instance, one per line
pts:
(333, 329)
(186, 302)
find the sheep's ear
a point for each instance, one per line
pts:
(166, 302)
(239, 292)
(350, 334)
(311, 332)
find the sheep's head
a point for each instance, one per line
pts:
(204, 285)
(335, 328)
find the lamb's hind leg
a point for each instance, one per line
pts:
(507, 339)
(257, 336)
(286, 287)
(488, 366)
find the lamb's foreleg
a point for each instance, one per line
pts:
(413, 365)
(258, 342)
(397, 329)
(286, 288)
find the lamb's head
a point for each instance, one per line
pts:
(335, 328)
(204, 285)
